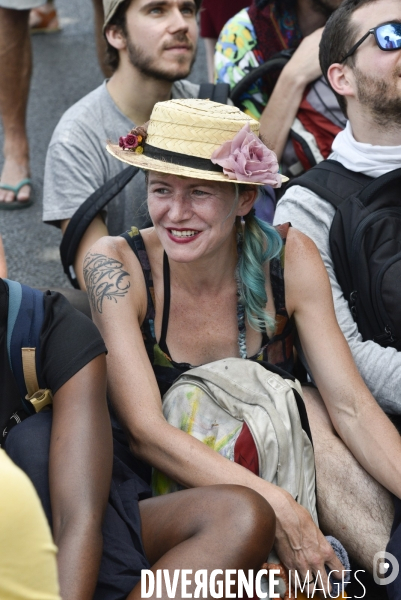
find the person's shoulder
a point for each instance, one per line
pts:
(184, 89)
(238, 23)
(16, 483)
(299, 201)
(78, 114)
(114, 246)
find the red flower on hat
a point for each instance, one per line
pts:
(129, 142)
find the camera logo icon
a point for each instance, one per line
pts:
(385, 568)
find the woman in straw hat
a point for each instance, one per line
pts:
(206, 282)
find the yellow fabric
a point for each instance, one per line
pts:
(28, 569)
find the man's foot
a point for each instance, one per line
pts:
(15, 185)
(44, 19)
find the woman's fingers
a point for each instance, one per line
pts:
(303, 548)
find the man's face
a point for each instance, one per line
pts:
(162, 37)
(377, 73)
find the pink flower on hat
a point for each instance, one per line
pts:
(246, 158)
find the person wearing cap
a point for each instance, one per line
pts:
(205, 267)
(151, 48)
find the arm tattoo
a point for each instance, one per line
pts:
(105, 279)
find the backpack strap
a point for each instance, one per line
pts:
(24, 326)
(388, 179)
(331, 181)
(218, 92)
(39, 398)
(84, 216)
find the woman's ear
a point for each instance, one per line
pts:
(115, 37)
(246, 200)
(341, 79)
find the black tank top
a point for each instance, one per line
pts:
(277, 350)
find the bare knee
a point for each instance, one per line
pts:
(245, 517)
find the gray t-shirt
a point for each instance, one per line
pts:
(77, 162)
(379, 367)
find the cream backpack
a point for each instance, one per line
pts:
(251, 413)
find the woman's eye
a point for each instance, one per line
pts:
(155, 11)
(161, 191)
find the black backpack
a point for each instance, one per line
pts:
(365, 244)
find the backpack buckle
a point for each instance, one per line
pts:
(40, 399)
(386, 337)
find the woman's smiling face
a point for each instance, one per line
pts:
(193, 217)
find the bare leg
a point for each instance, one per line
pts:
(352, 506)
(15, 74)
(3, 264)
(216, 527)
(100, 41)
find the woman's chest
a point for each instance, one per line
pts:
(204, 328)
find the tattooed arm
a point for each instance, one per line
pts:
(105, 279)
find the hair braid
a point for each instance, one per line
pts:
(261, 243)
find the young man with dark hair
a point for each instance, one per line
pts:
(365, 76)
(151, 45)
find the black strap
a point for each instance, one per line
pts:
(218, 92)
(378, 183)
(333, 189)
(84, 216)
(166, 304)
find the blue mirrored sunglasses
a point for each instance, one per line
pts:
(387, 36)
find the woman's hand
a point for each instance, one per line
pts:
(300, 545)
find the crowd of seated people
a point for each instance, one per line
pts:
(198, 278)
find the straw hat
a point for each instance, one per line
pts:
(182, 135)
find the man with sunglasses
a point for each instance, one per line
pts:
(360, 55)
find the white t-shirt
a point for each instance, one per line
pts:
(380, 367)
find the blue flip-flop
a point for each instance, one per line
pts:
(15, 204)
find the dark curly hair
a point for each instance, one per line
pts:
(112, 57)
(339, 35)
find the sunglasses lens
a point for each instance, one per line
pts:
(389, 36)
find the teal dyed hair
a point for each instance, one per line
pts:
(261, 243)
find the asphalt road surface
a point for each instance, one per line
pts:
(65, 69)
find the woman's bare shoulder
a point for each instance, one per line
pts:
(305, 274)
(299, 246)
(113, 272)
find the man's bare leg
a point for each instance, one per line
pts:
(100, 41)
(15, 75)
(352, 506)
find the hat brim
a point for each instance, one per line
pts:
(151, 164)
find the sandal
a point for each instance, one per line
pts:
(43, 21)
(15, 204)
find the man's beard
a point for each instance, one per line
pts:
(381, 98)
(147, 64)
